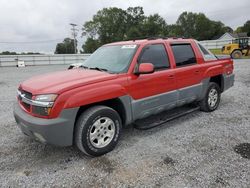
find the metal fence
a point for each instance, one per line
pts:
(54, 59)
(217, 44)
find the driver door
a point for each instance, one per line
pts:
(155, 92)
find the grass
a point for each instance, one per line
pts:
(218, 52)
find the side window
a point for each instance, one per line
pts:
(204, 51)
(207, 55)
(183, 54)
(155, 54)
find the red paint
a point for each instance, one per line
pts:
(146, 68)
(78, 87)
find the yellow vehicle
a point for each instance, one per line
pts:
(238, 48)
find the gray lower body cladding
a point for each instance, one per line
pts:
(58, 131)
(142, 108)
(155, 104)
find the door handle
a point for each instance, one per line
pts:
(171, 76)
(196, 72)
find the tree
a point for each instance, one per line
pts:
(174, 30)
(239, 29)
(66, 47)
(134, 22)
(154, 25)
(8, 53)
(90, 45)
(228, 29)
(115, 24)
(246, 28)
(107, 25)
(22, 53)
(198, 26)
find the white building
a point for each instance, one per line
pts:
(223, 40)
(231, 36)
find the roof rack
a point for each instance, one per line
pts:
(159, 37)
(166, 37)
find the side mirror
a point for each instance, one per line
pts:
(145, 68)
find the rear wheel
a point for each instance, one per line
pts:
(98, 130)
(236, 54)
(211, 100)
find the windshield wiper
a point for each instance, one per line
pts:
(85, 67)
(99, 69)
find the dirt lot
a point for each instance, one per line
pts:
(197, 150)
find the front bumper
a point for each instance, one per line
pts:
(58, 131)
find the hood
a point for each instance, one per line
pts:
(58, 82)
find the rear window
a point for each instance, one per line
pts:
(207, 55)
(183, 54)
(204, 51)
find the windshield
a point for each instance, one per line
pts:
(114, 59)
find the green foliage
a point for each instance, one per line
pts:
(239, 29)
(8, 53)
(66, 47)
(246, 28)
(115, 24)
(198, 26)
(90, 45)
(154, 25)
(15, 53)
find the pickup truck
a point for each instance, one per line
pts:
(118, 84)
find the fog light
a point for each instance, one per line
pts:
(39, 137)
(43, 111)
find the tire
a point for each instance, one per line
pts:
(211, 100)
(98, 130)
(236, 54)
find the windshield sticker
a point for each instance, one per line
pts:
(128, 46)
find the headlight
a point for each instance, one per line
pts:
(43, 104)
(46, 98)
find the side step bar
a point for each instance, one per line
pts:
(159, 119)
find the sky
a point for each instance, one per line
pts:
(38, 25)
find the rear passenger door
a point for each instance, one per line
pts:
(187, 72)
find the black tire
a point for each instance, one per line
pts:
(207, 106)
(236, 54)
(88, 121)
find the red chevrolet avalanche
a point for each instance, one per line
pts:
(120, 83)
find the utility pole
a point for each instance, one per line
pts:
(74, 33)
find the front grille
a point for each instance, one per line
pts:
(26, 106)
(27, 95)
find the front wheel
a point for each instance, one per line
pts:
(211, 100)
(98, 130)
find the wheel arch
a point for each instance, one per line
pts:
(119, 104)
(218, 79)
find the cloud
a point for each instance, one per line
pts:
(33, 20)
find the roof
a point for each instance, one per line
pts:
(235, 35)
(142, 41)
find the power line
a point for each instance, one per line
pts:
(74, 33)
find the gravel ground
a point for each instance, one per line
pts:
(197, 150)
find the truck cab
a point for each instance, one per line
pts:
(116, 86)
